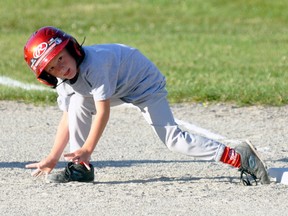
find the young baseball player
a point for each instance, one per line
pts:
(91, 79)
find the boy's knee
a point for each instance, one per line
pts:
(170, 136)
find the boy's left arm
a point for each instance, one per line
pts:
(97, 128)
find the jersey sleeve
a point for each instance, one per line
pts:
(64, 94)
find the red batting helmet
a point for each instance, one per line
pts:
(43, 46)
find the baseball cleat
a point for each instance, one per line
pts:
(72, 172)
(252, 167)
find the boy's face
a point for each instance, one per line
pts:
(62, 66)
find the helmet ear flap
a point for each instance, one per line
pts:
(48, 79)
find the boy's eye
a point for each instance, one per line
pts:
(60, 59)
(51, 69)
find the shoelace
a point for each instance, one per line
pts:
(247, 178)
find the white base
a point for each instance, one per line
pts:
(280, 174)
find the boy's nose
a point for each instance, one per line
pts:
(61, 68)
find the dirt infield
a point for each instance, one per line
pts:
(135, 173)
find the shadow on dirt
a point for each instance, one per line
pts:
(103, 164)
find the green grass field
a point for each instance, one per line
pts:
(209, 51)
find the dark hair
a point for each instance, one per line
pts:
(76, 51)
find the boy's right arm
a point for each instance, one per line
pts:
(61, 139)
(62, 136)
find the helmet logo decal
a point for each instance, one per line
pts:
(38, 54)
(40, 49)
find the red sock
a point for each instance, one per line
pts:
(230, 156)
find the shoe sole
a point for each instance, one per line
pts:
(265, 167)
(256, 153)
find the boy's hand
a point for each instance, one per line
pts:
(43, 167)
(79, 156)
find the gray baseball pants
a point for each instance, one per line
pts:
(157, 113)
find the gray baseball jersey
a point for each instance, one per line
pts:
(114, 71)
